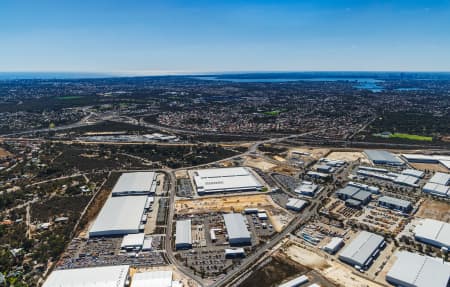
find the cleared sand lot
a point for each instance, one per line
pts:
(259, 163)
(4, 153)
(279, 217)
(435, 210)
(429, 166)
(334, 271)
(315, 153)
(348, 156)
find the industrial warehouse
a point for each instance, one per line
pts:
(362, 250)
(395, 203)
(238, 233)
(382, 157)
(135, 183)
(120, 215)
(219, 180)
(116, 276)
(433, 232)
(183, 237)
(414, 270)
(161, 278)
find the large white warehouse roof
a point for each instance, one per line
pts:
(412, 269)
(120, 215)
(383, 157)
(361, 249)
(440, 178)
(108, 276)
(135, 183)
(225, 179)
(236, 227)
(153, 279)
(183, 233)
(433, 232)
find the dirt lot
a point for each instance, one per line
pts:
(4, 153)
(279, 217)
(279, 158)
(273, 273)
(434, 209)
(258, 163)
(315, 153)
(181, 174)
(429, 166)
(347, 156)
(332, 270)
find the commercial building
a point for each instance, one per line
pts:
(433, 232)
(307, 188)
(147, 245)
(295, 204)
(295, 282)
(414, 270)
(377, 175)
(433, 159)
(234, 179)
(362, 250)
(413, 172)
(436, 189)
(183, 237)
(407, 180)
(440, 178)
(238, 233)
(234, 253)
(419, 158)
(395, 203)
(318, 175)
(383, 157)
(120, 215)
(325, 168)
(369, 188)
(94, 276)
(160, 278)
(352, 193)
(135, 183)
(334, 245)
(133, 241)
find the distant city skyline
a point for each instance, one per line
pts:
(186, 37)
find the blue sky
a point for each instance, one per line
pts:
(151, 36)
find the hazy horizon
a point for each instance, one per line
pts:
(162, 37)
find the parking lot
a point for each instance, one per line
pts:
(184, 188)
(106, 251)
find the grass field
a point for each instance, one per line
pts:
(273, 113)
(411, 137)
(70, 98)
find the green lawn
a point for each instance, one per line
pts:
(411, 137)
(70, 97)
(273, 113)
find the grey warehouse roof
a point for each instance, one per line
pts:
(440, 178)
(119, 215)
(106, 276)
(236, 227)
(348, 190)
(183, 232)
(412, 269)
(434, 231)
(132, 182)
(383, 156)
(395, 201)
(362, 248)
